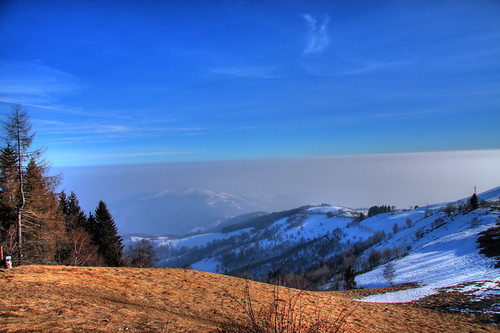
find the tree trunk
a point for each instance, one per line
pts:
(21, 191)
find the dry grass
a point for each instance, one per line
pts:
(287, 312)
(55, 298)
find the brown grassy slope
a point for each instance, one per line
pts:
(58, 298)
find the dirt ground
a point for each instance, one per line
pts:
(83, 299)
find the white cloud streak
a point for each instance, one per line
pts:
(318, 38)
(379, 66)
(112, 129)
(29, 83)
(244, 72)
(143, 154)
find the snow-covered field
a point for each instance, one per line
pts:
(445, 257)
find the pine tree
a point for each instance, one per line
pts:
(473, 202)
(93, 229)
(349, 276)
(74, 216)
(80, 249)
(8, 199)
(105, 235)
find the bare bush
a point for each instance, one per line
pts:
(287, 312)
(389, 273)
(387, 254)
(374, 258)
(397, 252)
(450, 209)
(419, 233)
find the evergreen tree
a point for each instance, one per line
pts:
(73, 214)
(349, 276)
(105, 235)
(473, 202)
(63, 202)
(80, 249)
(93, 229)
(8, 199)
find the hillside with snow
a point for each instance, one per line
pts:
(434, 246)
(444, 256)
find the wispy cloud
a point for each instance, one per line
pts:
(112, 129)
(65, 157)
(32, 83)
(142, 154)
(94, 129)
(318, 38)
(425, 113)
(379, 66)
(244, 71)
(351, 66)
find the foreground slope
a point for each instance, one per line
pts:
(55, 298)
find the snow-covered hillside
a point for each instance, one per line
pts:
(447, 254)
(444, 253)
(435, 246)
(260, 244)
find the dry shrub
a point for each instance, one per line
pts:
(287, 312)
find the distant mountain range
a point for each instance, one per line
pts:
(187, 210)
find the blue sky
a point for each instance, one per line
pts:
(122, 82)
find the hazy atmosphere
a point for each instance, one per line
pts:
(347, 102)
(402, 180)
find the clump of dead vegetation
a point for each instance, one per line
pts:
(286, 312)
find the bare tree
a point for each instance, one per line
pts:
(387, 254)
(18, 134)
(141, 255)
(374, 258)
(389, 273)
